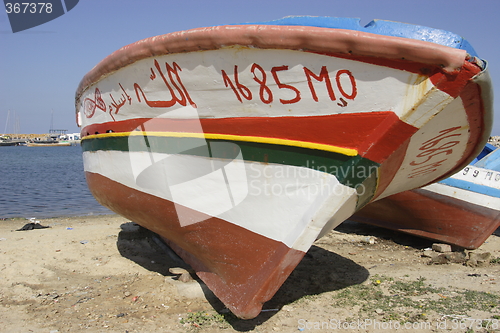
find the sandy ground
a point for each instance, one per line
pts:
(105, 274)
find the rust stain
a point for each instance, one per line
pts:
(416, 91)
(419, 91)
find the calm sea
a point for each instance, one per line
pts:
(44, 182)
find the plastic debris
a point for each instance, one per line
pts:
(368, 240)
(34, 224)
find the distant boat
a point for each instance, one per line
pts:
(4, 143)
(7, 141)
(462, 210)
(48, 143)
(242, 144)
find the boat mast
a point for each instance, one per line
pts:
(6, 122)
(51, 121)
(17, 125)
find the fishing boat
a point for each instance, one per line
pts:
(7, 141)
(462, 210)
(48, 143)
(242, 144)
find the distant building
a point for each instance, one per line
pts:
(70, 136)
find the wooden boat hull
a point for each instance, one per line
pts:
(243, 144)
(463, 210)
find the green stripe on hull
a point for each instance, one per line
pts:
(352, 171)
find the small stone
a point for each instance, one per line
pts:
(478, 259)
(368, 240)
(456, 257)
(441, 247)
(439, 259)
(379, 311)
(429, 254)
(177, 270)
(127, 294)
(185, 277)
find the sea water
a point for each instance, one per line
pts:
(44, 182)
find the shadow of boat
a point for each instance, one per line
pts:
(354, 227)
(318, 272)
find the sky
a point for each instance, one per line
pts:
(40, 68)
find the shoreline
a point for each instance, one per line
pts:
(6, 219)
(106, 274)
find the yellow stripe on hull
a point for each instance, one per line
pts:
(215, 136)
